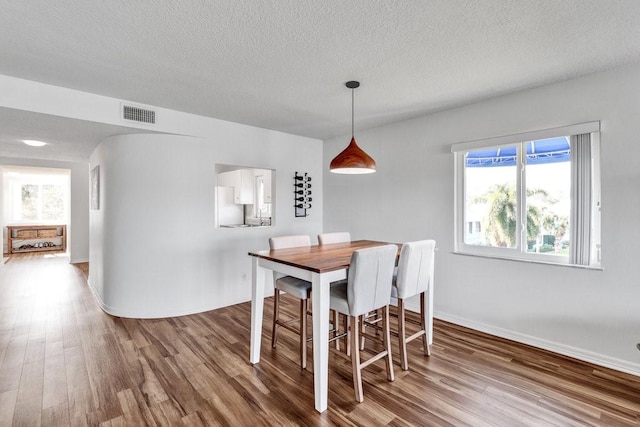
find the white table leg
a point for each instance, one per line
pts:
(257, 308)
(320, 306)
(429, 311)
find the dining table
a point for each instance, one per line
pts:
(320, 265)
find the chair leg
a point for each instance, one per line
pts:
(336, 330)
(402, 336)
(276, 313)
(303, 333)
(355, 358)
(363, 328)
(348, 331)
(423, 324)
(387, 343)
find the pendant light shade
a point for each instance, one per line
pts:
(352, 160)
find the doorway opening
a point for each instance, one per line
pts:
(35, 208)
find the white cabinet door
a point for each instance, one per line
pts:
(242, 182)
(225, 179)
(246, 188)
(266, 196)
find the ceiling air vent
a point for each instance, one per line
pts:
(137, 114)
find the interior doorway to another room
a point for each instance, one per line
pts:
(34, 197)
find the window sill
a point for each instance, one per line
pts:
(530, 261)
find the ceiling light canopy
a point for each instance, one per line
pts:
(352, 160)
(34, 143)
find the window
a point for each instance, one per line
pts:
(532, 196)
(36, 195)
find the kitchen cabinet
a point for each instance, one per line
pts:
(266, 189)
(242, 182)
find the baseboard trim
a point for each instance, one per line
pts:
(574, 352)
(114, 311)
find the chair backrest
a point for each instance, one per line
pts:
(283, 242)
(293, 241)
(338, 237)
(415, 268)
(369, 279)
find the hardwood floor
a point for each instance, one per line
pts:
(65, 362)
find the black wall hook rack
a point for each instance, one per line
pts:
(302, 194)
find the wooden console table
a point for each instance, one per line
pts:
(35, 238)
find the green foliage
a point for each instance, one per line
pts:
(501, 222)
(52, 202)
(30, 202)
(558, 226)
(42, 202)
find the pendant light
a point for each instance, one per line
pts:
(352, 160)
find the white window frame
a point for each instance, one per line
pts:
(14, 177)
(460, 149)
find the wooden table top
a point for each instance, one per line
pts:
(318, 258)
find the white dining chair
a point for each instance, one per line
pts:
(327, 239)
(337, 237)
(298, 288)
(368, 288)
(414, 277)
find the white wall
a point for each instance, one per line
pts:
(592, 315)
(78, 232)
(155, 251)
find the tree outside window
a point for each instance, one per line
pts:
(492, 197)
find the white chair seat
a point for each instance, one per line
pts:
(338, 297)
(292, 285)
(394, 290)
(394, 284)
(339, 283)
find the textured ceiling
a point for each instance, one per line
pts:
(282, 64)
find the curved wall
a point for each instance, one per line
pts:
(155, 251)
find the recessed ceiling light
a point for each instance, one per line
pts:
(34, 143)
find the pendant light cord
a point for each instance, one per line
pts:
(352, 97)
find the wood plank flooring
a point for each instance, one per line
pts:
(65, 362)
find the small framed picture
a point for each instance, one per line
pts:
(95, 188)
